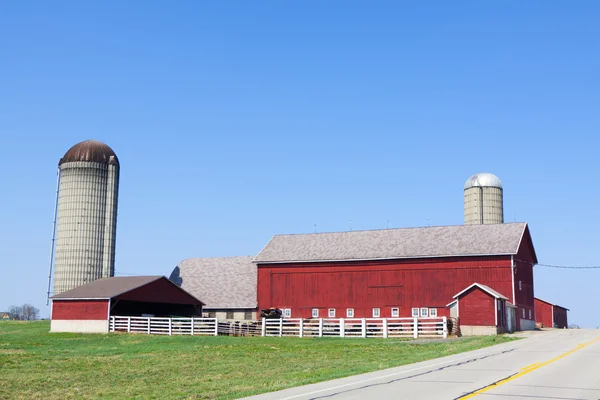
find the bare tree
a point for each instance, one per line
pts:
(26, 312)
(14, 312)
(29, 312)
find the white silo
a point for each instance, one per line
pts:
(484, 200)
(86, 220)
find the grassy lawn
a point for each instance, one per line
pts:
(35, 364)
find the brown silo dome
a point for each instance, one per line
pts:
(91, 151)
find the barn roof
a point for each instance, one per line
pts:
(484, 288)
(108, 288)
(427, 242)
(227, 282)
(552, 304)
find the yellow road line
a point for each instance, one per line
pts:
(527, 369)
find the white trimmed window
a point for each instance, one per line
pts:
(350, 312)
(376, 313)
(530, 314)
(315, 313)
(433, 312)
(520, 286)
(523, 313)
(331, 313)
(424, 312)
(287, 312)
(395, 312)
(415, 313)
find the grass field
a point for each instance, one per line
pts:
(35, 364)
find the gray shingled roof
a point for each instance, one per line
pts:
(438, 241)
(107, 288)
(485, 289)
(228, 282)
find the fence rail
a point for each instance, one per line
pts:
(357, 327)
(164, 326)
(314, 327)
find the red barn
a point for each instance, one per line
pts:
(88, 308)
(396, 272)
(550, 315)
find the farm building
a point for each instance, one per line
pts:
(226, 285)
(402, 273)
(87, 308)
(548, 315)
(484, 311)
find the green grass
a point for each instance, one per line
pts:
(35, 364)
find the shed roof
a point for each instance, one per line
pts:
(226, 282)
(426, 242)
(485, 288)
(552, 304)
(108, 288)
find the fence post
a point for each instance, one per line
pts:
(301, 333)
(280, 327)
(445, 327)
(415, 328)
(111, 325)
(128, 324)
(364, 327)
(216, 327)
(320, 327)
(264, 327)
(170, 326)
(385, 328)
(342, 328)
(192, 320)
(149, 330)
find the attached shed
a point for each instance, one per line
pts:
(227, 285)
(88, 308)
(549, 315)
(481, 310)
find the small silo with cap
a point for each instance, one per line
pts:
(86, 215)
(483, 200)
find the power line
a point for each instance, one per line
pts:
(561, 266)
(568, 266)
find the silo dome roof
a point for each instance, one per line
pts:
(89, 150)
(483, 179)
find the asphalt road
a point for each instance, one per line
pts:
(556, 364)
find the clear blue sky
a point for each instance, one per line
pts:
(237, 121)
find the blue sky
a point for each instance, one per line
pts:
(237, 121)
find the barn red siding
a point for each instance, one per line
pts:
(524, 294)
(543, 313)
(80, 309)
(161, 291)
(560, 317)
(476, 307)
(364, 285)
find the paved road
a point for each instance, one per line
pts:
(557, 365)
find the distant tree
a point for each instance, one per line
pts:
(26, 312)
(29, 312)
(574, 326)
(14, 312)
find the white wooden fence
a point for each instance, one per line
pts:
(164, 326)
(317, 327)
(357, 327)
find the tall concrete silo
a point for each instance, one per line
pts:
(86, 222)
(484, 200)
